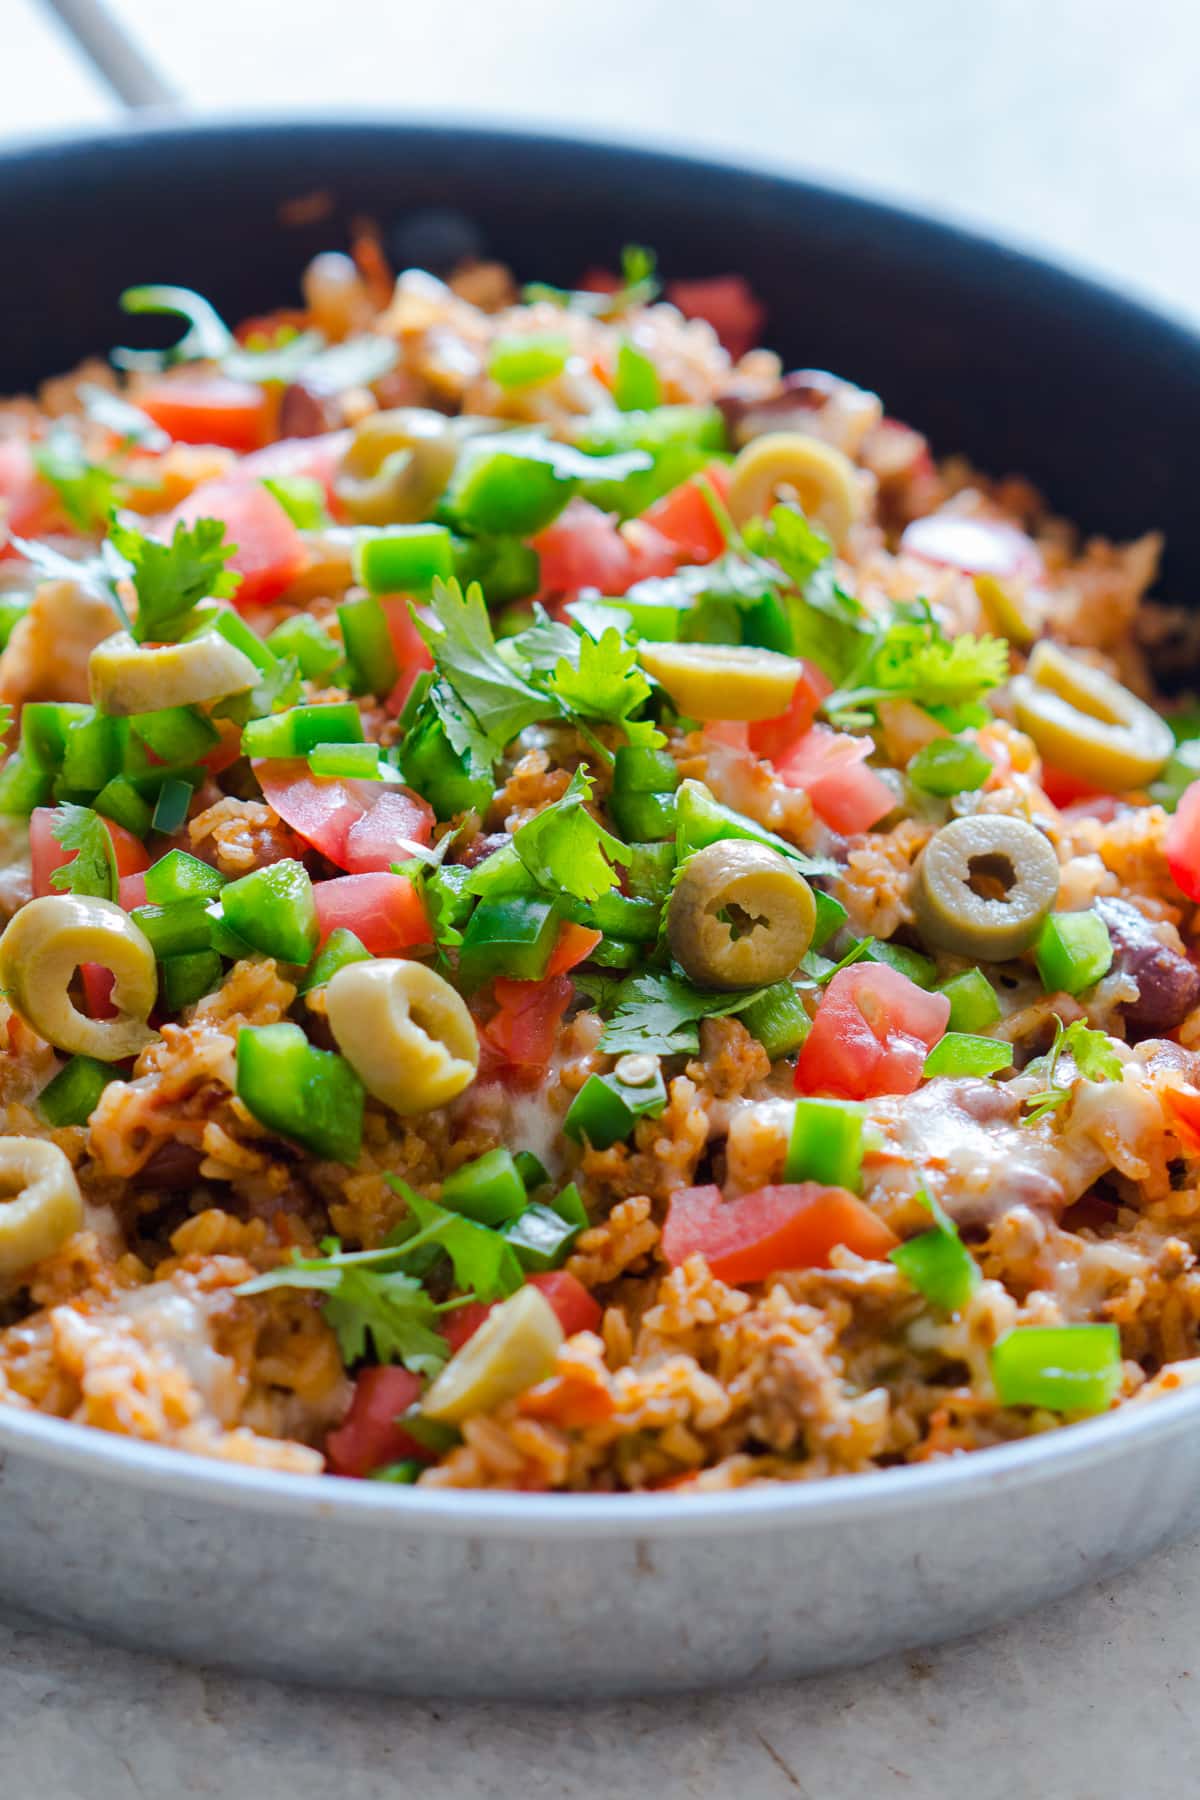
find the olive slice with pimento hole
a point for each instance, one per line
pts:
(740, 916)
(984, 886)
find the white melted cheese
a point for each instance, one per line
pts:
(176, 1326)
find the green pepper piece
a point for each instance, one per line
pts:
(404, 559)
(636, 387)
(273, 909)
(938, 1263)
(973, 1002)
(434, 768)
(354, 762)
(488, 1190)
(1073, 951)
(91, 753)
(370, 654)
(643, 818)
(73, 1095)
(504, 567)
(963, 1053)
(301, 637)
(533, 1172)
(921, 970)
(617, 953)
(636, 920)
(120, 801)
(949, 766)
(527, 359)
(302, 728)
(340, 948)
(176, 734)
(826, 1144)
(171, 807)
(291, 1087)
(1061, 1368)
(778, 1019)
(541, 1237)
(607, 1107)
(641, 771)
(178, 876)
(649, 870)
(831, 916)
(513, 936)
(187, 978)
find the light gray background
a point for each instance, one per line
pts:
(1069, 124)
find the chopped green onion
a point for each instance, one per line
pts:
(826, 1144)
(171, 807)
(369, 650)
(973, 1002)
(636, 387)
(340, 949)
(71, 1098)
(949, 766)
(778, 1019)
(315, 652)
(273, 910)
(488, 1190)
(938, 1263)
(291, 1087)
(1073, 951)
(187, 978)
(404, 559)
(301, 728)
(517, 362)
(178, 876)
(1061, 1368)
(962, 1053)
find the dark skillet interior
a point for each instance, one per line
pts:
(1022, 366)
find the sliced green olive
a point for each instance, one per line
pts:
(404, 1030)
(514, 1348)
(43, 945)
(40, 1204)
(126, 677)
(397, 466)
(1087, 724)
(788, 465)
(983, 886)
(723, 681)
(1005, 610)
(740, 916)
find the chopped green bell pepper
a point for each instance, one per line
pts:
(312, 1096)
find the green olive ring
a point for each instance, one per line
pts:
(397, 466)
(126, 677)
(515, 1347)
(42, 1206)
(1087, 724)
(984, 885)
(405, 1031)
(723, 681)
(826, 484)
(740, 916)
(43, 945)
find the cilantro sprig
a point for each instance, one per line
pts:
(170, 580)
(661, 1014)
(1094, 1059)
(93, 870)
(910, 657)
(566, 850)
(86, 489)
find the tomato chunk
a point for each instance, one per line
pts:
(728, 304)
(575, 943)
(873, 1030)
(586, 548)
(526, 1026)
(795, 1225)
(573, 1306)
(208, 409)
(270, 552)
(776, 738)
(47, 854)
(412, 652)
(830, 767)
(384, 911)
(685, 518)
(1183, 843)
(28, 505)
(386, 833)
(369, 1437)
(1185, 1109)
(359, 825)
(314, 458)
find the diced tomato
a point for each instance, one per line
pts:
(28, 505)
(792, 1226)
(572, 1401)
(1063, 789)
(131, 891)
(733, 733)
(573, 1306)
(225, 754)
(382, 910)
(575, 944)
(47, 854)
(685, 518)
(208, 409)
(315, 458)
(873, 1030)
(976, 546)
(360, 825)
(1185, 1109)
(1183, 843)
(412, 652)
(728, 304)
(98, 983)
(775, 738)
(599, 281)
(368, 1437)
(270, 551)
(586, 548)
(831, 768)
(387, 831)
(526, 1027)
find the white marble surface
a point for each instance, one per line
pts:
(1069, 123)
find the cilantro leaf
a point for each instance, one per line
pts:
(495, 703)
(86, 489)
(566, 850)
(171, 579)
(94, 869)
(829, 625)
(639, 286)
(911, 658)
(484, 1262)
(1094, 1059)
(604, 682)
(662, 1013)
(98, 575)
(393, 1313)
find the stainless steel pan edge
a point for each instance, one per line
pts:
(557, 1597)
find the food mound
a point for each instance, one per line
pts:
(581, 915)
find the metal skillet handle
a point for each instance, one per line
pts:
(113, 54)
